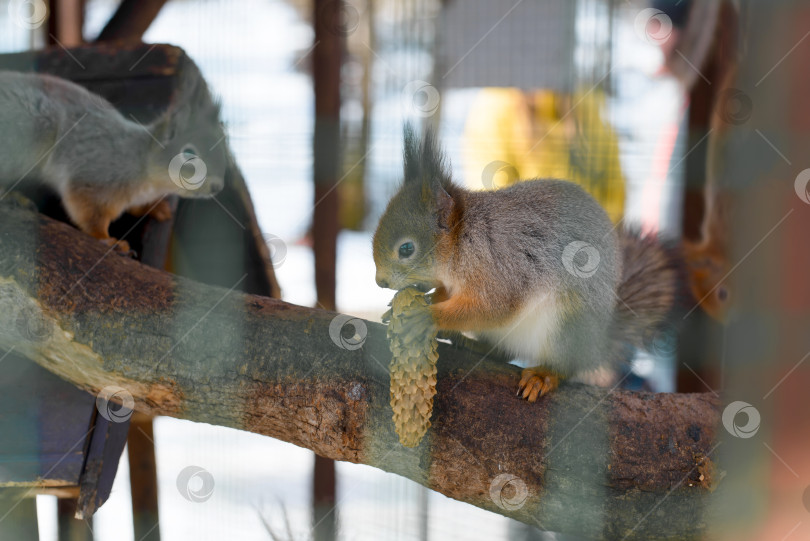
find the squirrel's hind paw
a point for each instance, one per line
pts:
(120, 246)
(536, 382)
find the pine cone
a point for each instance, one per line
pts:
(412, 338)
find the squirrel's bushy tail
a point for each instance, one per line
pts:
(652, 290)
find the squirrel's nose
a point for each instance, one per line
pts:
(382, 282)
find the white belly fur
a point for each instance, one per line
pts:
(529, 335)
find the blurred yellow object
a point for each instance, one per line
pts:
(512, 135)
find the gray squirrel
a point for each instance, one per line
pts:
(537, 269)
(101, 164)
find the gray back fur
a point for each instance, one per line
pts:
(57, 132)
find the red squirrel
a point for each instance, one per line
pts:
(100, 163)
(536, 269)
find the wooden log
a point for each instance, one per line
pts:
(588, 461)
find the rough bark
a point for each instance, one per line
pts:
(595, 463)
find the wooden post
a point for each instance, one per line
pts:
(65, 23)
(19, 516)
(70, 528)
(143, 477)
(131, 20)
(326, 63)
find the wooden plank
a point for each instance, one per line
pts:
(100, 464)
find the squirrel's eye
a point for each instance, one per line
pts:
(189, 151)
(406, 249)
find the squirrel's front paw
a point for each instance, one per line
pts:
(536, 382)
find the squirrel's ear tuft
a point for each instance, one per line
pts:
(433, 160)
(411, 155)
(424, 160)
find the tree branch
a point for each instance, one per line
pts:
(585, 460)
